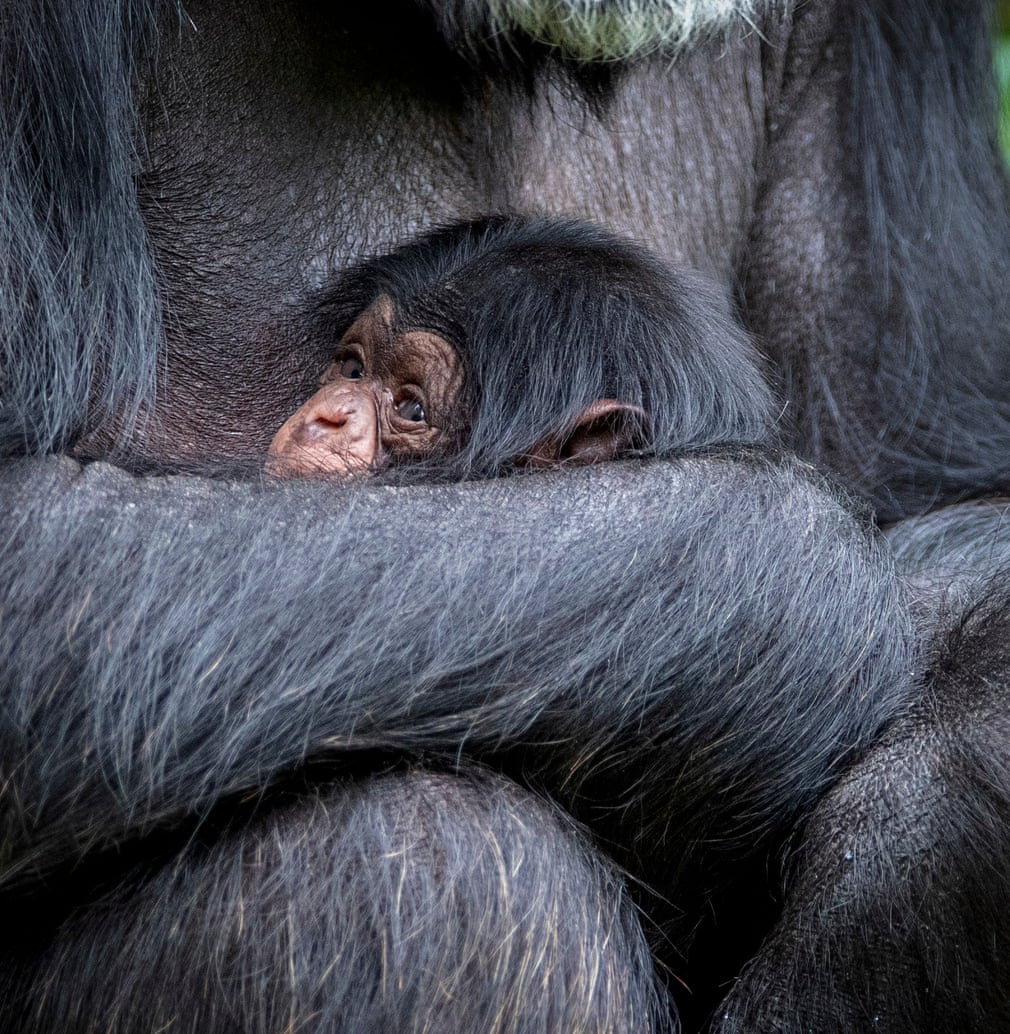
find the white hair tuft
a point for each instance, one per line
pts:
(610, 30)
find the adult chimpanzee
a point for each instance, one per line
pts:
(514, 342)
(347, 757)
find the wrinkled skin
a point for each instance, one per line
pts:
(733, 160)
(504, 343)
(307, 758)
(385, 394)
(368, 153)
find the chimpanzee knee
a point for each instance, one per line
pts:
(897, 918)
(406, 902)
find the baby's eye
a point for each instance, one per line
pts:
(352, 368)
(412, 409)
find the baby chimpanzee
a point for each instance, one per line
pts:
(510, 342)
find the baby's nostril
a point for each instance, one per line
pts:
(332, 421)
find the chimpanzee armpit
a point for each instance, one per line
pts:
(507, 343)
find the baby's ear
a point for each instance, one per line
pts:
(604, 429)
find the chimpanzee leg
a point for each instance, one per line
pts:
(417, 902)
(897, 920)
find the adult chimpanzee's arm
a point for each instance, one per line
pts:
(166, 642)
(877, 265)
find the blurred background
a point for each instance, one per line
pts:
(1003, 72)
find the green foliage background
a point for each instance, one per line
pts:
(1003, 72)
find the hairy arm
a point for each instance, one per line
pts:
(166, 642)
(875, 274)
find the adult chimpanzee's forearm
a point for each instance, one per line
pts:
(165, 642)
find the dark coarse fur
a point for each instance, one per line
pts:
(935, 190)
(952, 552)
(79, 308)
(201, 675)
(891, 327)
(906, 871)
(355, 887)
(336, 759)
(550, 316)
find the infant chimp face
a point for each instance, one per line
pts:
(388, 394)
